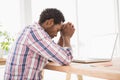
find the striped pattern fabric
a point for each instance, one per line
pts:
(31, 52)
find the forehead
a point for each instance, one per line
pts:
(59, 26)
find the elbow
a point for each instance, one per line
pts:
(66, 62)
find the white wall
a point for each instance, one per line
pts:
(96, 19)
(25, 12)
(10, 15)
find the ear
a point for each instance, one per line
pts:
(50, 22)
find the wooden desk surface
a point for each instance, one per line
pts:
(105, 70)
(2, 61)
(100, 70)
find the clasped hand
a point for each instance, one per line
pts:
(67, 30)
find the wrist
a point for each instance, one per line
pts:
(66, 41)
(66, 37)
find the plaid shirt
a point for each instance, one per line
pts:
(31, 52)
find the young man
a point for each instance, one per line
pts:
(34, 47)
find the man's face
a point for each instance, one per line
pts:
(53, 30)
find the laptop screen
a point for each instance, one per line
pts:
(100, 46)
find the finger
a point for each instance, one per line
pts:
(69, 23)
(63, 26)
(72, 25)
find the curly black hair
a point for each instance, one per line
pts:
(51, 13)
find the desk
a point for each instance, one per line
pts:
(109, 72)
(99, 70)
(2, 61)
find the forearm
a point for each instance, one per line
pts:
(66, 42)
(60, 42)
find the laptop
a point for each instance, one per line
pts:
(106, 40)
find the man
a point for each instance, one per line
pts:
(34, 47)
